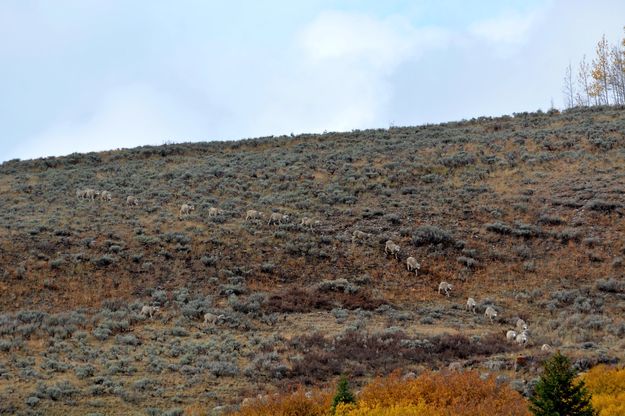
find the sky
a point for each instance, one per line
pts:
(91, 75)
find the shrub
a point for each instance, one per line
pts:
(607, 386)
(430, 235)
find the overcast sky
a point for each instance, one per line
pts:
(88, 75)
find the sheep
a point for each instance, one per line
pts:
(277, 218)
(310, 223)
(521, 325)
(149, 310)
(358, 235)
(132, 200)
(471, 304)
(210, 318)
(511, 335)
(253, 214)
(392, 248)
(87, 193)
(413, 264)
(213, 212)
(545, 348)
(186, 209)
(445, 287)
(521, 338)
(491, 313)
(106, 196)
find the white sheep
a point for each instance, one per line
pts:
(106, 196)
(521, 325)
(277, 218)
(87, 193)
(471, 304)
(213, 212)
(358, 235)
(132, 200)
(186, 209)
(149, 310)
(491, 313)
(521, 338)
(80, 193)
(444, 287)
(511, 335)
(392, 248)
(309, 222)
(253, 214)
(210, 318)
(545, 348)
(413, 264)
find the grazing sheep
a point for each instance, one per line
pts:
(392, 248)
(413, 264)
(106, 196)
(186, 209)
(445, 287)
(511, 335)
(210, 318)
(309, 222)
(277, 218)
(149, 310)
(455, 366)
(87, 193)
(471, 304)
(213, 212)
(491, 313)
(521, 325)
(521, 338)
(545, 348)
(358, 235)
(252, 214)
(132, 200)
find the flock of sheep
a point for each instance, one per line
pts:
(521, 335)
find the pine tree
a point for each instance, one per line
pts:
(343, 394)
(558, 394)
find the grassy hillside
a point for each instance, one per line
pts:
(524, 213)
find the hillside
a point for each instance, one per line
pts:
(523, 213)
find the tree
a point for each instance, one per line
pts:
(568, 88)
(583, 97)
(557, 392)
(343, 394)
(600, 72)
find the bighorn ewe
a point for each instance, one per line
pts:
(213, 212)
(445, 287)
(413, 264)
(149, 310)
(106, 196)
(87, 193)
(252, 214)
(308, 222)
(491, 313)
(471, 304)
(132, 200)
(392, 248)
(521, 338)
(210, 318)
(521, 325)
(186, 209)
(276, 218)
(511, 335)
(358, 235)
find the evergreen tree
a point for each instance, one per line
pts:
(343, 394)
(558, 393)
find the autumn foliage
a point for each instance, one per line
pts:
(429, 394)
(607, 386)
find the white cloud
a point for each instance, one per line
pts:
(128, 116)
(511, 28)
(338, 75)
